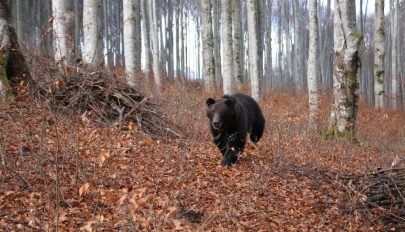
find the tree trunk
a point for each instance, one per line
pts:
(208, 45)
(345, 72)
(131, 39)
(268, 64)
(93, 32)
(227, 52)
(217, 40)
(394, 71)
(155, 44)
(13, 67)
(379, 50)
(63, 28)
(313, 62)
(254, 72)
(169, 40)
(237, 42)
(145, 39)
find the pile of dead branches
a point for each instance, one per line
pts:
(385, 190)
(107, 99)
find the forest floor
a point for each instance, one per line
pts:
(58, 169)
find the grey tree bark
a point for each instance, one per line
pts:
(155, 44)
(227, 67)
(345, 72)
(313, 62)
(237, 42)
(146, 51)
(129, 40)
(394, 55)
(63, 28)
(254, 60)
(379, 50)
(13, 67)
(208, 45)
(93, 32)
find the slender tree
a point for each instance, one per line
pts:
(92, 32)
(208, 45)
(155, 44)
(63, 28)
(394, 54)
(169, 39)
(345, 72)
(130, 52)
(268, 64)
(228, 74)
(379, 50)
(313, 62)
(145, 38)
(254, 72)
(237, 42)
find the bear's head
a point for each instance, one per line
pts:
(221, 112)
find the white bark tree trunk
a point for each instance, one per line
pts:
(345, 72)
(313, 62)
(129, 18)
(237, 42)
(63, 28)
(253, 52)
(394, 72)
(269, 61)
(145, 39)
(379, 50)
(155, 44)
(227, 52)
(208, 45)
(93, 32)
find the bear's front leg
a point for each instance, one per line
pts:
(230, 157)
(221, 141)
(235, 147)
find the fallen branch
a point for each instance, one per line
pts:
(109, 100)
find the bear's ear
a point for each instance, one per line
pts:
(210, 101)
(230, 102)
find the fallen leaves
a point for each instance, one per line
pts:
(128, 181)
(84, 189)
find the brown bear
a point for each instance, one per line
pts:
(231, 118)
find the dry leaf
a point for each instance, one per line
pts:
(148, 140)
(177, 224)
(68, 70)
(101, 159)
(85, 120)
(84, 189)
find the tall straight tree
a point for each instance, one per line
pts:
(155, 44)
(254, 71)
(345, 72)
(394, 53)
(379, 50)
(93, 32)
(228, 74)
(313, 63)
(269, 62)
(131, 53)
(145, 38)
(237, 41)
(208, 45)
(63, 28)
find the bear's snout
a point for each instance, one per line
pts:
(216, 125)
(216, 121)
